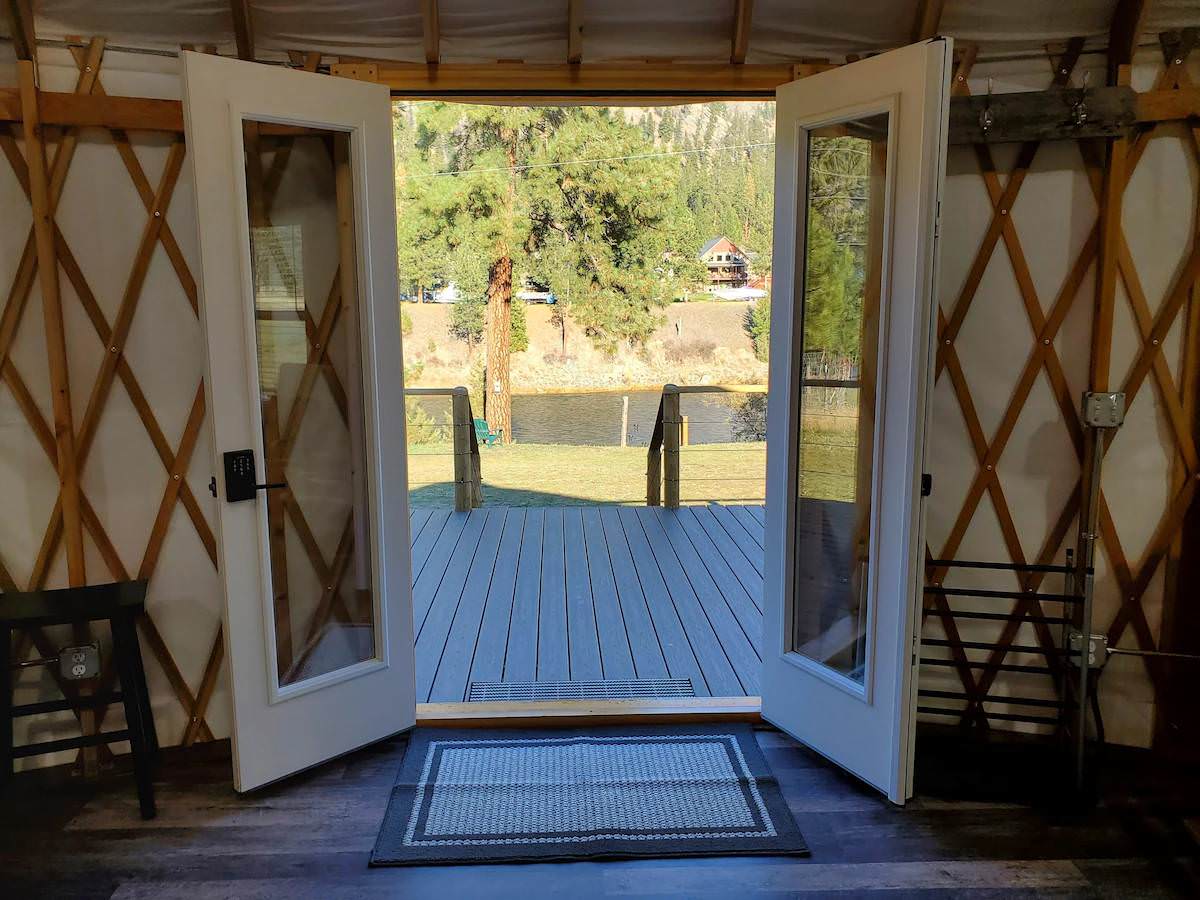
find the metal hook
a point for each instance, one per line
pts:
(1079, 110)
(986, 117)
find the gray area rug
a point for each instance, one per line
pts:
(486, 796)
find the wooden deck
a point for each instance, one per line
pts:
(587, 594)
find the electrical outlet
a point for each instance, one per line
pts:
(79, 663)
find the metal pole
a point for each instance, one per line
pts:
(1102, 411)
(625, 420)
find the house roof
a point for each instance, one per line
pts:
(712, 242)
(780, 31)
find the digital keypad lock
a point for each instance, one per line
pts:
(241, 481)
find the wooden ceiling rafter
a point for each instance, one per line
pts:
(431, 32)
(743, 15)
(243, 28)
(1125, 29)
(20, 28)
(574, 32)
(928, 20)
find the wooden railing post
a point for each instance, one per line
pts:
(672, 425)
(654, 461)
(476, 465)
(464, 466)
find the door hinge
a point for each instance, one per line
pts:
(926, 484)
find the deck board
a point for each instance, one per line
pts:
(433, 631)
(616, 656)
(707, 647)
(583, 640)
(454, 670)
(520, 660)
(648, 656)
(737, 532)
(553, 662)
(488, 662)
(591, 593)
(672, 636)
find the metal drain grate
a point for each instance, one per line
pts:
(638, 689)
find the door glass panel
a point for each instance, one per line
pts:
(300, 201)
(842, 268)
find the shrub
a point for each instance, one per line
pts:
(758, 326)
(694, 349)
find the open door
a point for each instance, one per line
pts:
(860, 158)
(296, 210)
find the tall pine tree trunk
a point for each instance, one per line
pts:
(497, 397)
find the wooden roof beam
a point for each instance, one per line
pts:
(928, 19)
(1128, 22)
(243, 28)
(574, 32)
(432, 31)
(743, 13)
(20, 23)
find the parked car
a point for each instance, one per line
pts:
(446, 293)
(530, 295)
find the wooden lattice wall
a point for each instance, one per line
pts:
(1018, 343)
(123, 404)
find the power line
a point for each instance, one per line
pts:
(573, 162)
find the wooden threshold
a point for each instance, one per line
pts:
(528, 714)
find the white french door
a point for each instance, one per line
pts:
(295, 203)
(860, 157)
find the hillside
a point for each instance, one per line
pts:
(698, 343)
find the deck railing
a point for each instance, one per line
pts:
(670, 433)
(468, 473)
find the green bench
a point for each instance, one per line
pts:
(485, 435)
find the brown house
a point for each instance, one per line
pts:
(728, 265)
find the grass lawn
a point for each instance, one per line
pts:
(561, 475)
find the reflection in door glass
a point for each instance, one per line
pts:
(843, 261)
(300, 201)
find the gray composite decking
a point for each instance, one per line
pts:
(594, 593)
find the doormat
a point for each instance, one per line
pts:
(487, 796)
(637, 689)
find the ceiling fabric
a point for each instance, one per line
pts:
(613, 30)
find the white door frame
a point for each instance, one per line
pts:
(277, 731)
(867, 729)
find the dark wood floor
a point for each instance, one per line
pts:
(310, 838)
(588, 594)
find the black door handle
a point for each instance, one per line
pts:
(275, 485)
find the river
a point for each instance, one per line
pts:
(594, 418)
